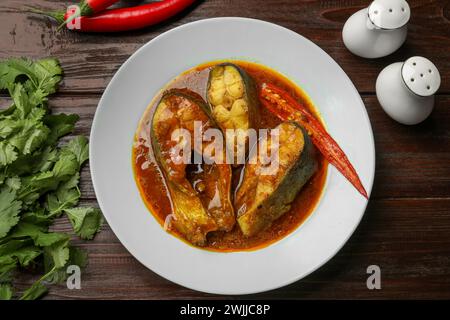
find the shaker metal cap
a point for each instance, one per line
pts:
(421, 76)
(389, 14)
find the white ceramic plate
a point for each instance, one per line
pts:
(146, 72)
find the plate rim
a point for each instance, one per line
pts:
(369, 185)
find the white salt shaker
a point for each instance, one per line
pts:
(378, 30)
(406, 90)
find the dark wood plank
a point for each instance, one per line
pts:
(407, 238)
(90, 60)
(406, 226)
(411, 161)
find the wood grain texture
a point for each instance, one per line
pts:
(406, 227)
(411, 162)
(90, 60)
(407, 238)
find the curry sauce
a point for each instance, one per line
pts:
(153, 189)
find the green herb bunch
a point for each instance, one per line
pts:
(38, 179)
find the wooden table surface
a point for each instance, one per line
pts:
(406, 227)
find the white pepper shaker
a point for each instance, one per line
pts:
(378, 30)
(406, 90)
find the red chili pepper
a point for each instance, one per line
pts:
(124, 19)
(85, 7)
(285, 107)
(89, 7)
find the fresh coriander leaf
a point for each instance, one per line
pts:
(37, 97)
(7, 153)
(25, 229)
(38, 180)
(37, 114)
(5, 80)
(80, 148)
(27, 255)
(66, 166)
(7, 265)
(66, 196)
(71, 183)
(23, 165)
(38, 218)
(44, 160)
(6, 113)
(5, 291)
(38, 233)
(49, 73)
(57, 253)
(39, 161)
(44, 74)
(77, 257)
(9, 210)
(8, 126)
(13, 183)
(8, 262)
(11, 69)
(51, 238)
(21, 101)
(34, 292)
(85, 221)
(8, 248)
(53, 204)
(36, 185)
(30, 136)
(8, 257)
(59, 125)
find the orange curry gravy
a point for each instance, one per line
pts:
(151, 183)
